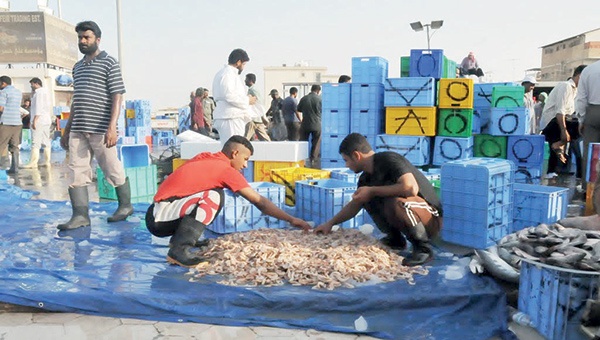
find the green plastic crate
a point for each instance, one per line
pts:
(508, 96)
(490, 146)
(143, 181)
(455, 122)
(449, 68)
(404, 66)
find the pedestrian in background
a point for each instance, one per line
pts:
(208, 104)
(529, 84)
(91, 130)
(291, 115)
(41, 121)
(197, 113)
(587, 107)
(258, 126)
(310, 107)
(10, 120)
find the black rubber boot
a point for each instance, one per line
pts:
(14, 166)
(182, 242)
(125, 208)
(79, 203)
(396, 242)
(422, 251)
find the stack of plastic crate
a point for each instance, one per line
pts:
(137, 121)
(527, 152)
(535, 204)
(477, 198)
(335, 122)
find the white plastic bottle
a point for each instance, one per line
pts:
(520, 317)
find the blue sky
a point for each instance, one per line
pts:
(172, 47)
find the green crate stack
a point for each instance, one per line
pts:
(455, 122)
(404, 66)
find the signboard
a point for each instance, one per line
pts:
(37, 37)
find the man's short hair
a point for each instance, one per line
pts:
(237, 140)
(36, 80)
(578, 70)
(354, 142)
(199, 92)
(251, 77)
(6, 79)
(89, 26)
(344, 79)
(293, 90)
(315, 88)
(238, 54)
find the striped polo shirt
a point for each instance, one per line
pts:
(95, 82)
(10, 99)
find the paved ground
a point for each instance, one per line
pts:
(20, 323)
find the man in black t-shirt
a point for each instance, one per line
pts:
(396, 194)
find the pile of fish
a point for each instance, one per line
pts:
(549, 244)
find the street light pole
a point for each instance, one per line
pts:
(434, 25)
(119, 35)
(428, 37)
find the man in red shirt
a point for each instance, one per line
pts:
(192, 196)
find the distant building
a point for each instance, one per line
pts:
(301, 75)
(559, 59)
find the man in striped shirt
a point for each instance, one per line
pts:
(10, 120)
(92, 127)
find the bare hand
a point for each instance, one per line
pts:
(110, 139)
(323, 229)
(252, 100)
(362, 195)
(565, 137)
(302, 224)
(64, 140)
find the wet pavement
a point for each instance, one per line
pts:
(17, 322)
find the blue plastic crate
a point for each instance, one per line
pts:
(238, 214)
(335, 96)
(320, 200)
(554, 298)
(367, 96)
(529, 174)
(334, 121)
(344, 174)
(184, 119)
(483, 94)
(535, 204)
(448, 149)
(415, 91)
(426, 63)
(526, 150)
(330, 145)
(327, 163)
(249, 172)
(505, 121)
(481, 120)
(368, 123)
(134, 155)
(475, 233)
(417, 149)
(369, 70)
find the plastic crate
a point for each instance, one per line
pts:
(405, 66)
(593, 155)
(412, 121)
(482, 93)
(526, 150)
(262, 169)
(477, 197)
(367, 96)
(142, 180)
(134, 155)
(409, 92)
(455, 122)
(320, 200)
(451, 148)
(535, 204)
(416, 149)
(426, 63)
(490, 146)
(554, 298)
(344, 174)
(507, 96)
(289, 177)
(529, 174)
(330, 145)
(178, 162)
(450, 67)
(367, 122)
(369, 70)
(248, 172)
(335, 96)
(483, 116)
(238, 214)
(335, 121)
(505, 121)
(455, 93)
(329, 163)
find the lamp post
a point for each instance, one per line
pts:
(434, 25)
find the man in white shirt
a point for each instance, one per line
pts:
(587, 107)
(529, 84)
(41, 119)
(233, 103)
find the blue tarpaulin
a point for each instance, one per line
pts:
(119, 270)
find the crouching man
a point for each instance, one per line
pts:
(192, 196)
(396, 194)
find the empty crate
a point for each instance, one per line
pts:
(142, 180)
(135, 155)
(535, 204)
(526, 150)
(455, 122)
(368, 70)
(367, 96)
(336, 121)
(412, 121)
(262, 169)
(507, 96)
(448, 149)
(289, 177)
(409, 91)
(456, 93)
(414, 148)
(482, 94)
(426, 63)
(490, 146)
(506, 121)
(335, 96)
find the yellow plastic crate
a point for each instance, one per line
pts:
(455, 93)
(130, 113)
(177, 162)
(262, 169)
(410, 121)
(289, 176)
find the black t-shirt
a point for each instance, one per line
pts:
(388, 166)
(310, 106)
